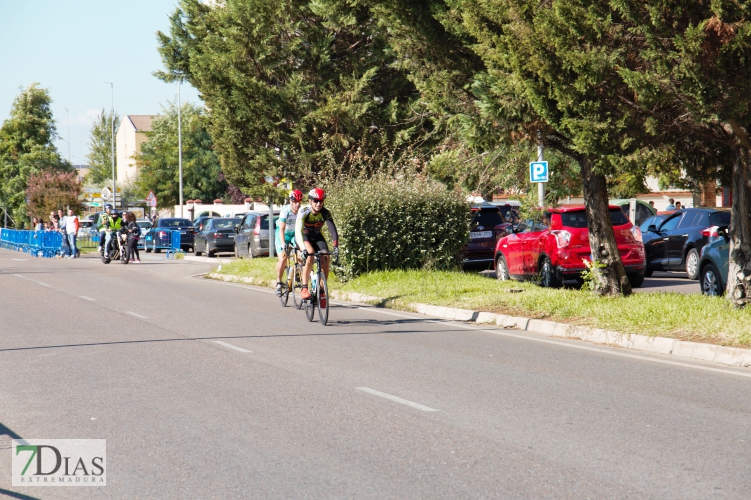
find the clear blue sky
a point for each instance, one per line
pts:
(72, 47)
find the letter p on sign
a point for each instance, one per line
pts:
(538, 171)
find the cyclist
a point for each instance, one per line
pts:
(308, 235)
(285, 234)
(112, 227)
(103, 235)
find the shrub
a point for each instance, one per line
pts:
(397, 221)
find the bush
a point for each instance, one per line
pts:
(402, 221)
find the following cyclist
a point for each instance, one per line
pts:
(308, 235)
(103, 235)
(285, 234)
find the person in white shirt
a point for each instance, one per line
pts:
(71, 229)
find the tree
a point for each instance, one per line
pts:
(50, 190)
(158, 163)
(26, 148)
(291, 84)
(100, 148)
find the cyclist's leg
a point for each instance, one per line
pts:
(325, 259)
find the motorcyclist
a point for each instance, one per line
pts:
(112, 227)
(103, 235)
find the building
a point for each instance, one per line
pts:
(81, 172)
(131, 134)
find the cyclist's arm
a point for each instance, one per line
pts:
(332, 229)
(298, 229)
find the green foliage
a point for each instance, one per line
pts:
(591, 275)
(26, 148)
(159, 162)
(290, 83)
(49, 190)
(399, 220)
(100, 149)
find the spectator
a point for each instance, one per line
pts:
(37, 224)
(60, 226)
(671, 204)
(46, 226)
(652, 204)
(71, 230)
(134, 233)
(678, 205)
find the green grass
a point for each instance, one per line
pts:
(688, 317)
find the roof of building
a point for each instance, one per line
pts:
(142, 123)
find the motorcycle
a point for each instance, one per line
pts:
(119, 249)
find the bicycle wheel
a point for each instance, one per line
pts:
(297, 287)
(284, 297)
(322, 297)
(310, 308)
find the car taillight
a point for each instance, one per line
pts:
(218, 236)
(257, 228)
(710, 232)
(637, 233)
(562, 238)
(162, 233)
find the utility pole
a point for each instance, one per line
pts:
(180, 142)
(112, 140)
(540, 185)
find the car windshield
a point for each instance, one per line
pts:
(487, 218)
(226, 223)
(720, 219)
(175, 223)
(578, 219)
(509, 213)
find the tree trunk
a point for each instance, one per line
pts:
(739, 265)
(611, 279)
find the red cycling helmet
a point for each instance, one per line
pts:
(296, 195)
(317, 194)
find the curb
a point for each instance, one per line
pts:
(732, 356)
(208, 260)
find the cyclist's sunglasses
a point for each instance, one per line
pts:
(316, 200)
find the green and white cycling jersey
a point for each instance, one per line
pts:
(290, 219)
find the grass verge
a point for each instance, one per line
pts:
(686, 317)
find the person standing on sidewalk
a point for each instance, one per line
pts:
(71, 229)
(61, 220)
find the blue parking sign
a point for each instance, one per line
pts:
(538, 171)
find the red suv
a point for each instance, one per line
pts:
(555, 250)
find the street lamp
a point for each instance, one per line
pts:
(112, 140)
(67, 116)
(180, 142)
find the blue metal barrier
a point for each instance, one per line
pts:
(175, 237)
(35, 243)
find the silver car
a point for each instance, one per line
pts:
(252, 238)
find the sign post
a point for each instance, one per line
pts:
(151, 199)
(538, 174)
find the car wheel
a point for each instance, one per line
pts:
(209, 253)
(692, 264)
(636, 280)
(501, 268)
(647, 272)
(148, 250)
(548, 279)
(711, 283)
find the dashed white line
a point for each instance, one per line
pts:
(33, 281)
(20, 260)
(136, 315)
(396, 399)
(86, 298)
(230, 346)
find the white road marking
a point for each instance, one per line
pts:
(136, 315)
(230, 346)
(20, 260)
(529, 336)
(85, 297)
(395, 399)
(29, 279)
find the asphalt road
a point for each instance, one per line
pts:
(212, 390)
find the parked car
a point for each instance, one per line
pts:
(252, 238)
(713, 262)
(145, 225)
(676, 242)
(158, 235)
(201, 221)
(218, 235)
(487, 225)
(643, 210)
(555, 250)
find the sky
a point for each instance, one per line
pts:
(72, 47)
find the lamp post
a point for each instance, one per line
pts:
(112, 140)
(180, 142)
(67, 117)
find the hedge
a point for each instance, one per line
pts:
(402, 221)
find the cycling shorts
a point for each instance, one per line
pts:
(289, 239)
(317, 240)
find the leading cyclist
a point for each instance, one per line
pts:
(308, 235)
(285, 234)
